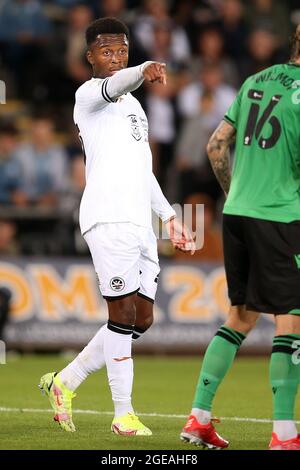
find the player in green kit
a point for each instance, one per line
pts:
(261, 235)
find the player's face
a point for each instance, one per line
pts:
(108, 54)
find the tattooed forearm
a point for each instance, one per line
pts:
(219, 155)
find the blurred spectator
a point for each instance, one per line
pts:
(192, 165)
(210, 82)
(23, 21)
(206, 11)
(10, 169)
(162, 50)
(24, 29)
(183, 14)
(75, 185)
(150, 12)
(80, 16)
(160, 103)
(212, 249)
(162, 130)
(262, 52)
(270, 15)
(70, 205)
(234, 28)
(156, 11)
(210, 51)
(44, 164)
(67, 66)
(204, 104)
(116, 8)
(10, 184)
(73, 146)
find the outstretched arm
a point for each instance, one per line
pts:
(102, 91)
(219, 155)
(131, 78)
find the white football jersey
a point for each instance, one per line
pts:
(114, 134)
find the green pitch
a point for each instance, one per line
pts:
(163, 392)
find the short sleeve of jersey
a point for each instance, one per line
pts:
(94, 93)
(232, 114)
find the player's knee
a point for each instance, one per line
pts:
(144, 313)
(147, 322)
(287, 324)
(241, 327)
(248, 326)
(241, 320)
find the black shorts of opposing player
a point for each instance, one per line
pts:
(262, 264)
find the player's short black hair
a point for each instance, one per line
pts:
(105, 26)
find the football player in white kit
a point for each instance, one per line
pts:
(115, 220)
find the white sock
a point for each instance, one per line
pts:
(285, 429)
(203, 416)
(122, 407)
(117, 348)
(89, 360)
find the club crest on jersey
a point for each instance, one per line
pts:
(117, 284)
(135, 128)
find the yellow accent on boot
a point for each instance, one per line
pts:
(129, 425)
(60, 398)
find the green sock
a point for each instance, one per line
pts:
(284, 375)
(218, 358)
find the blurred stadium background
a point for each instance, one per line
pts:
(49, 299)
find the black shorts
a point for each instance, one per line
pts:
(262, 263)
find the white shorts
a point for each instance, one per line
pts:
(125, 259)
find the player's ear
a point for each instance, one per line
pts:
(89, 57)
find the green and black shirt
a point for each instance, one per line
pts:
(266, 174)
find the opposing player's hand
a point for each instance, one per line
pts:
(156, 72)
(180, 236)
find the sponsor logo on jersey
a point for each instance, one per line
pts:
(117, 284)
(135, 127)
